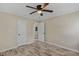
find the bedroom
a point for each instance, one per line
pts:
(54, 33)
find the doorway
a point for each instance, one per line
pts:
(39, 31)
(21, 32)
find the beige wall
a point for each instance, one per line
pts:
(64, 30)
(8, 29)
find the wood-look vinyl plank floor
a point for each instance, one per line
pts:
(39, 49)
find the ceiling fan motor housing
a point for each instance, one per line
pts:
(39, 7)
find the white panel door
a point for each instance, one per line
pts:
(41, 31)
(21, 32)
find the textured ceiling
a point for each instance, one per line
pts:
(20, 9)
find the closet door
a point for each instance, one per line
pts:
(41, 31)
(21, 32)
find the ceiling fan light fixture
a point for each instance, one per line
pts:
(39, 11)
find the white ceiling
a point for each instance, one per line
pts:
(20, 9)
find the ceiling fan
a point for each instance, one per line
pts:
(40, 8)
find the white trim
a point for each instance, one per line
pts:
(15, 47)
(26, 43)
(63, 47)
(8, 49)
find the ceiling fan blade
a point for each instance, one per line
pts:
(45, 5)
(48, 10)
(33, 12)
(31, 7)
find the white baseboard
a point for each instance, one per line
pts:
(8, 49)
(26, 43)
(15, 47)
(63, 47)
